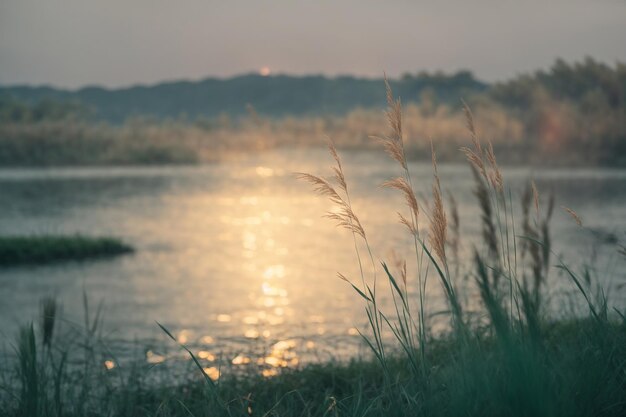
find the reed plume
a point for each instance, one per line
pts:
(489, 229)
(574, 215)
(455, 229)
(471, 127)
(338, 169)
(495, 176)
(474, 156)
(400, 264)
(535, 196)
(394, 143)
(537, 243)
(401, 184)
(394, 146)
(526, 225)
(478, 155)
(345, 216)
(439, 223)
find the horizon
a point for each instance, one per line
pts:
(71, 44)
(259, 73)
(249, 73)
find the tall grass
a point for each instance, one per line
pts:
(510, 335)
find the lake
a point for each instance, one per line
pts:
(237, 254)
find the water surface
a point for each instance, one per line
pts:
(235, 254)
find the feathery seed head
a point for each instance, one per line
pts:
(469, 121)
(338, 168)
(574, 215)
(394, 145)
(533, 186)
(475, 160)
(321, 186)
(438, 225)
(409, 224)
(495, 177)
(342, 277)
(401, 184)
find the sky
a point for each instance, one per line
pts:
(115, 43)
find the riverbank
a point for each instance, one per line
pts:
(570, 368)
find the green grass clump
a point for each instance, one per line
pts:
(35, 250)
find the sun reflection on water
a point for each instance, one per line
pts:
(274, 271)
(265, 311)
(240, 360)
(264, 171)
(250, 320)
(251, 334)
(223, 318)
(212, 372)
(154, 358)
(183, 336)
(236, 257)
(203, 354)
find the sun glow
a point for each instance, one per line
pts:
(265, 71)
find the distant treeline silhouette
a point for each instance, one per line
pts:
(570, 114)
(274, 96)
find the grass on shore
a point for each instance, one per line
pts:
(575, 369)
(568, 374)
(34, 250)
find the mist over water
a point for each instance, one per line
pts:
(235, 254)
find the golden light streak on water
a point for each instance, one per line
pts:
(223, 318)
(206, 355)
(154, 358)
(352, 331)
(240, 360)
(250, 320)
(212, 372)
(225, 251)
(251, 334)
(264, 171)
(183, 336)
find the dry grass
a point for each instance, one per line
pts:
(574, 215)
(439, 222)
(344, 216)
(509, 277)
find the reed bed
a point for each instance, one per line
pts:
(500, 353)
(181, 141)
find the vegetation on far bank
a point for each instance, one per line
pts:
(43, 249)
(573, 114)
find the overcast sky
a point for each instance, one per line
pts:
(72, 43)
